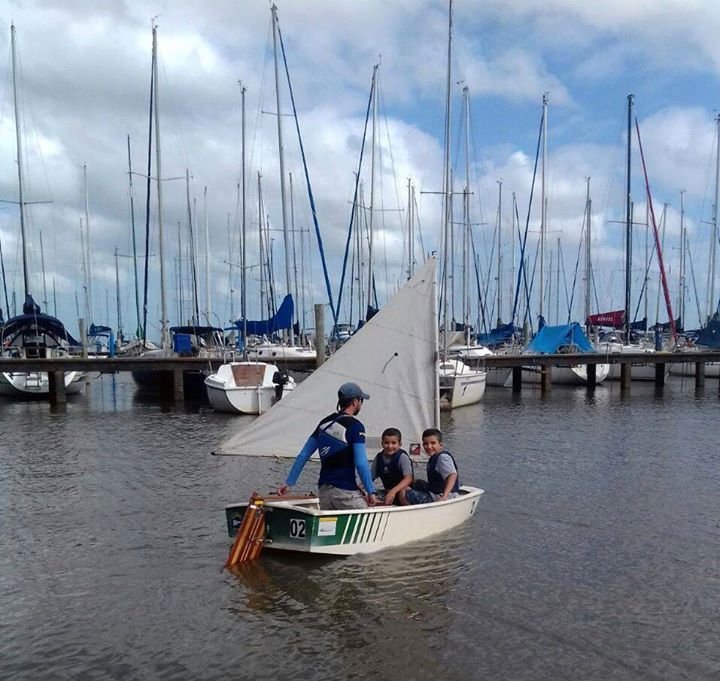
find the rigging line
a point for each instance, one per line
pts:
(355, 196)
(568, 300)
(577, 267)
(481, 303)
(697, 297)
(666, 291)
(521, 269)
(419, 226)
(400, 205)
(307, 179)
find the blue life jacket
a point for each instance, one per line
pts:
(436, 482)
(390, 473)
(337, 463)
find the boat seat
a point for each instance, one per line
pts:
(247, 375)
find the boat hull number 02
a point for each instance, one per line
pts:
(297, 529)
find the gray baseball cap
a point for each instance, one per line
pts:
(347, 391)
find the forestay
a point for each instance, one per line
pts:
(392, 357)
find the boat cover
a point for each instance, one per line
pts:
(36, 322)
(282, 319)
(497, 336)
(709, 336)
(551, 339)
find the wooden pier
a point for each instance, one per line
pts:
(178, 365)
(625, 359)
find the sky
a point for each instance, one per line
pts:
(83, 81)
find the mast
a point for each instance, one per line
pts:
(298, 302)
(499, 255)
(411, 236)
(683, 246)
(466, 231)
(42, 263)
(446, 183)
(588, 261)
(281, 150)
(138, 333)
(208, 308)
(628, 219)
(713, 240)
(243, 262)
(261, 242)
(18, 141)
(88, 271)
(164, 333)
(543, 208)
(117, 295)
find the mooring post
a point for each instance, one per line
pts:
(319, 334)
(591, 376)
(517, 379)
(178, 386)
(659, 374)
(699, 374)
(625, 376)
(545, 378)
(56, 387)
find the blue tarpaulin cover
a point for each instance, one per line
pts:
(710, 335)
(502, 334)
(551, 339)
(33, 321)
(282, 319)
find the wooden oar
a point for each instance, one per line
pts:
(251, 527)
(251, 533)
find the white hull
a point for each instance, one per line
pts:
(244, 387)
(302, 526)
(286, 354)
(638, 371)
(576, 375)
(460, 385)
(712, 369)
(36, 383)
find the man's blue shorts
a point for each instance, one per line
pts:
(415, 496)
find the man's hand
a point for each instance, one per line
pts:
(371, 499)
(282, 490)
(389, 498)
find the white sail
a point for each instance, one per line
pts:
(392, 358)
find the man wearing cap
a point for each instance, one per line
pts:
(340, 440)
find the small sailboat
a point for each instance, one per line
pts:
(394, 357)
(247, 387)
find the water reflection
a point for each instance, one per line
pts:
(342, 609)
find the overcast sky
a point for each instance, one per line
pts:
(84, 80)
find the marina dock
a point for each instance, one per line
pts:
(516, 362)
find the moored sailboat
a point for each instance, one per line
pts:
(33, 334)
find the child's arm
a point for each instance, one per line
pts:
(449, 484)
(391, 494)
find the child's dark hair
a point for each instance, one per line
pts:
(392, 432)
(432, 432)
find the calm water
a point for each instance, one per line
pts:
(595, 553)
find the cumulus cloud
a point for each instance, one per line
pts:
(84, 84)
